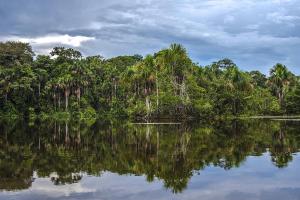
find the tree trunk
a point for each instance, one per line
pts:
(281, 99)
(148, 106)
(234, 107)
(157, 101)
(67, 93)
(39, 142)
(145, 89)
(59, 101)
(115, 86)
(39, 88)
(59, 130)
(54, 100)
(78, 94)
(78, 140)
(55, 131)
(66, 133)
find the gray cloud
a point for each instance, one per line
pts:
(255, 34)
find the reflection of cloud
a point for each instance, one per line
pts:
(256, 179)
(45, 186)
(272, 194)
(281, 193)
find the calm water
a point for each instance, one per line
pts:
(255, 159)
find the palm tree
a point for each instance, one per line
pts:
(65, 83)
(5, 81)
(238, 83)
(81, 74)
(279, 80)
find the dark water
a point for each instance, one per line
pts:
(255, 159)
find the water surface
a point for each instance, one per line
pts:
(253, 159)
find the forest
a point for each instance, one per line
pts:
(165, 85)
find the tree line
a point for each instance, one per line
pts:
(167, 84)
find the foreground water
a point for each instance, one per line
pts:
(255, 159)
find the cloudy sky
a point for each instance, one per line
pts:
(256, 34)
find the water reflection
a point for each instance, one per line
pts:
(66, 152)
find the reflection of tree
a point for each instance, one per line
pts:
(67, 179)
(282, 147)
(171, 153)
(15, 165)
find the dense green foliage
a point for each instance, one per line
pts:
(164, 85)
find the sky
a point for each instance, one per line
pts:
(255, 34)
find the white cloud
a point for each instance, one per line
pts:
(74, 41)
(44, 44)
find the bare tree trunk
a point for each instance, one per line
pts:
(54, 100)
(59, 130)
(234, 107)
(115, 86)
(145, 89)
(39, 142)
(148, 106)
(157, 101)
(281, 99)
(67, 93)
(78, 94)
(78, 140)
(59, 101)
(39, 88)
(66, 133)
(55, 131)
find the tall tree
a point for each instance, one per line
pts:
(279, 81)
(15, 53)
(65, 60)
(238, 83)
